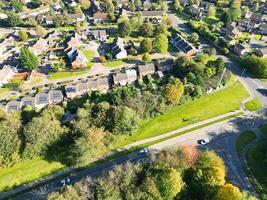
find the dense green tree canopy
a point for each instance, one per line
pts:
(28, 59)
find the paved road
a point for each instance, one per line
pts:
(222, 136)
(256, 87)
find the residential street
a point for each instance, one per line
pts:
(256, 87)
(222, 136)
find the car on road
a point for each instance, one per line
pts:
(65, 181)
(203, 142)
(145, 150)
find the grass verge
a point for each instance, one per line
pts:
(66, 74)
(114, 63)
(26, 171)
(257, 166)
(253, 105)
(243, 139)
(220, 102)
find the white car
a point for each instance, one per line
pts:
(65, 181)
(203, 142)
(145, 150)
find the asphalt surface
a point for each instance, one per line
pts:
(256, 87)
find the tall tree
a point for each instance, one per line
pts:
(28, 59)
(174, 91)
(23, 35)
(146, 45)
(85, 4)
(16, 5)
(160, 44)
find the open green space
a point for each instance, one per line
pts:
(263, 129)
(4, 90)
(253, 105)
(26, 171)
(60, 75)
(90, 56)
(256, 159)
(114, 63)
(223, 101)
(243, 140)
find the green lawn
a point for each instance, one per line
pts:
(26, 171)
(4, 90)
(206, 107)
(114, 63)
(60, 75)
(257, 36)
(263, 129)
(244, 139)
(256, 158)
(253, 105)
(90, 56)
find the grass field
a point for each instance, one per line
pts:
(244, 139)
(253, 105)
(257, 167)
(26, 171)
(206, 107)
(60, 75)
(115, 63)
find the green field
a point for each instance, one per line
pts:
(253, 105)
(114, 63)
(26, 171)
(206, 107)
(256, 159)
(4, 90)
(244, 139)
(60, 75)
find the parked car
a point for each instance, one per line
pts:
(145, 150)
(65, 181)
(203, 142)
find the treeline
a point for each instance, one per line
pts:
(255, 65)
(103, 119)
(184, 173)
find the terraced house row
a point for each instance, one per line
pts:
(103, 84)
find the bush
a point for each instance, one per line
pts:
(102, 59)
(255, 65)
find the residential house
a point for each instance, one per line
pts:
(152, 15)
(35, 12)
(55, 96)
(40, 46)
(99, 35)
(41, 99)
(7, 43)
(131, 75)
(232, 30)
(28, 101)
(165, 65)
(147, 5)
(79, 60)
(261, 52)
(92, 85)
(71, 91)
(240, 49)
(82, 88)
(117, 49)
(183, 45)
(100, 17)
(256, 17)
(6, 73)
(120, 79)
(78, 17)
(144, 70)
(263, 29)
(13, 105)
(74, 41)
(52, 37)
(196, 11)
(205, 6)
(102, 84)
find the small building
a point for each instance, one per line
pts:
(144, 70)
(8, 42)
(99, 35)
(100, 17)
(82, 88)
(240, 49)
(13, 105)
(165, 65)
(92, 85)
(120, 79)
(55, 96)
(78, 60)
(103, 84)
(131, 75)
(183, 45)
(28, 101)
(152, 15)
(117, 49)
(71, 91)
(74, 41)
(6, 73)
(41, 99)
